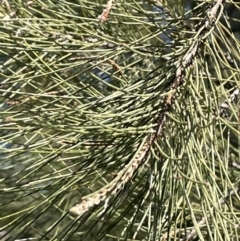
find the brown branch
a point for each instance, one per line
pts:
(115, 66)
(117, 183)
(105, 14)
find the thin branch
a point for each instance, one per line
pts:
(117, 183)
(105, 14)
(115, 66)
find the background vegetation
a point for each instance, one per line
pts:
(119, 120)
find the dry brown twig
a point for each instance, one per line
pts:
(105, 14)
(118, 182)
(115, 66)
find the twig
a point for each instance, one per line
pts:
(115, 66)
(117, 183)
(105, 14)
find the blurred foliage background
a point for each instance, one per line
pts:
(80, 96)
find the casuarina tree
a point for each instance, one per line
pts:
(119, 120)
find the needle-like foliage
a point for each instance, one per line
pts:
(119, 120)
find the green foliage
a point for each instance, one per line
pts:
(132, 119)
